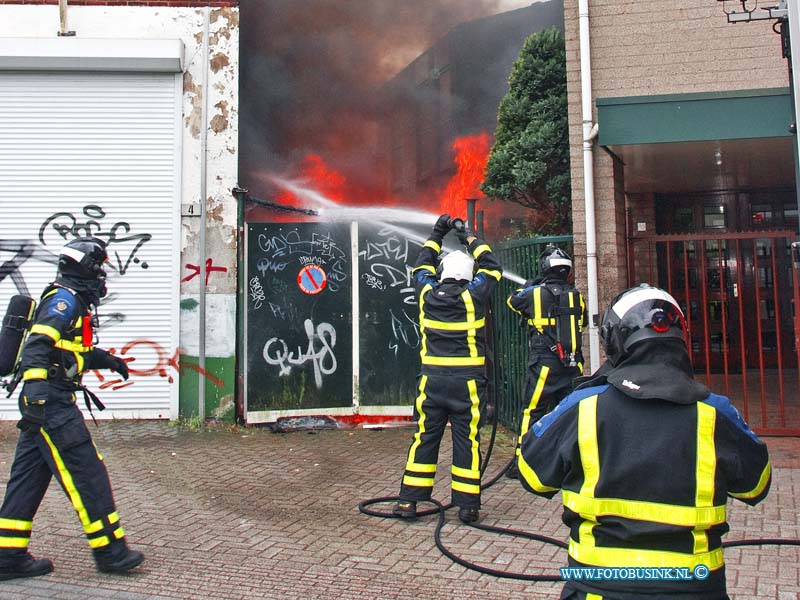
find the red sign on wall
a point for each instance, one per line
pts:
(312, 279)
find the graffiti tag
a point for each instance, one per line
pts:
(276, 352)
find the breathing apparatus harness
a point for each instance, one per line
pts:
(440, 509)
(14, 332)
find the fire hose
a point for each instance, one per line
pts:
(441, 509)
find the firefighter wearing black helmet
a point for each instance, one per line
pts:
(55, 440)
(555, 315)
(646, 458)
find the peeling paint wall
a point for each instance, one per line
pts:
(222, 156)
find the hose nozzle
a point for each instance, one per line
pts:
(456, 224)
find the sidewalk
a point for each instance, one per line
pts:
(248, 514)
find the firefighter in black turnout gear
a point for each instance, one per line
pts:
(646, 458)
(452, 382)
(555, 315)
(55, 440)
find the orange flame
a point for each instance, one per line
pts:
(471, 156)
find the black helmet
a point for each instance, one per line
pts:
(83, 258)
(640, 313)
(554, 261)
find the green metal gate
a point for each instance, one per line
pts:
(520, 259)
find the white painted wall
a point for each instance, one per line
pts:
(187, 24)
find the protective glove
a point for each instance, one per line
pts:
(441, 228)
(464, 233)
(32, 400)
(118, 365)
(103, 359)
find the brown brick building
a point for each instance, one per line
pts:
(693, 180)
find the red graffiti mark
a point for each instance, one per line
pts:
(152, 359)
(210, 268)
(216, 381)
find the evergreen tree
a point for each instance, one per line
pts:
(529, 162)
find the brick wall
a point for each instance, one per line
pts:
(647, 48)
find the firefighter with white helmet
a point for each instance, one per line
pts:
(646, 458)
(452, 383)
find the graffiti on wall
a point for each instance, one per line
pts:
(282, 249)
(148, 358)
(319, 352)
(122, 245)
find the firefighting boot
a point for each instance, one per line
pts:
(405, 509)
(117, 558)
(469, 514)
(26, 566)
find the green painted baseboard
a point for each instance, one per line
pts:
(220, 377)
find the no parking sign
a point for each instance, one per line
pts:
(312, 279)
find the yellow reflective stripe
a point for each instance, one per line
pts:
(113, 518)
(531, 477)
(635, 557)
(534, 402)
(69, 484)
(473, 424)
(16, 524)
(14, 542)
(587, 443)
(706, 466)
(670, 514)
(508, 303)
(119, 533)
(491, 273)
(99, 542)
(467, 488)
(50, 332)
(590, 460)
(480, 250)
(418, 481)
(472, 332)
(94, 527)
(420, 423)
(590, 596)
(462, 472)
(80, 361)
(420, 467)
(537, 307)
(762, 483)
(433, 245)
(72, 346)
(428, 268)
(453, 361)
(34, 374)
(456, 326)
(543, 322)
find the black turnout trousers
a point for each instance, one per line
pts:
(62, 448)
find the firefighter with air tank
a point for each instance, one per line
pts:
(555, 315)
(54, 439)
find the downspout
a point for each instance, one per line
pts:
(62, 17)
(589, 132)
(201, 358)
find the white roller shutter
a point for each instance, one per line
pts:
(99, 154)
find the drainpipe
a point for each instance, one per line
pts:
(62, 16)
(201, 358)
(589, 132)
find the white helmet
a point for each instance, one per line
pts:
(457, 265)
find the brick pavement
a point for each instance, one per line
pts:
(248, 514)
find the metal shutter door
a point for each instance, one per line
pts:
(99, 154)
